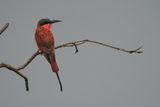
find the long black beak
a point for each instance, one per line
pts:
(55, 21)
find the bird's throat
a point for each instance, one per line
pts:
(47, 26)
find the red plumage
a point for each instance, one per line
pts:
(45, 42)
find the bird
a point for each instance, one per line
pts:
(46, 44)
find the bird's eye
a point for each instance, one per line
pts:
(46, 22)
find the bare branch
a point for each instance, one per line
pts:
(16, 70)
(69, 44)
(80, 42)
(4, 28)
(11, 68)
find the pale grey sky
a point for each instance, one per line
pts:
(94, 77)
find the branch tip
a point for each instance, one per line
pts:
(75, 48)
(4, 28)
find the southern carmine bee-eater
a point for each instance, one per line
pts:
(45, 42)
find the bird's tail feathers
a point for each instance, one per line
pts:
(55, 69)
(54, 66)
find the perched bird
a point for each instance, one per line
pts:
(45, 42)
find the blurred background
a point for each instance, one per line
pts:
(96, 75)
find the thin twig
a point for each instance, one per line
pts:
(69, 44)
(28, 61)
(4, 28)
